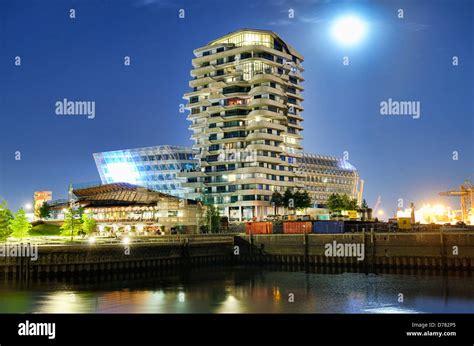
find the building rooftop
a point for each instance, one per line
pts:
(324, 160)
(116, 194)
(272, 33)
(157, 149)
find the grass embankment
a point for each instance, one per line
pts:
(44, 230)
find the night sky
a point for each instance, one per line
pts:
(407, 59)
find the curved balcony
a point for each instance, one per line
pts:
(212, 120)
(215, 96)
(194, 116)
(214, 109)
(297, 86)
(267, 114)
(296, 116)
(293, 135)
(262, 124)
(200, 81)
(203, 136)
(264, 170)
(197, 104)
(296, 75)
(264, 147)
(296, 126)
(194, 127)
(270, 159)
(296, 96)
(202, 70)
(267, 102)
(214, 130)
(299, 107)
(217, 85)
(266, 77)
(195, 93)
(253, 192)
(259, 90)
(261, 135)
(237, 106)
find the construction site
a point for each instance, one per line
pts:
(441, 214)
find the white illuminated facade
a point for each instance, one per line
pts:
(324, 175)
(245, 112)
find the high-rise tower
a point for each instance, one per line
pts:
(245, 113)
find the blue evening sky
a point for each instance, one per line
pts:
(407, 59)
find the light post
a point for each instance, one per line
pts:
(72, 225)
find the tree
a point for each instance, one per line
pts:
(89, 225)
(72, 223)
(364, 204)
(353, 205)
(44, 211)
(302, 200)
(288, 199)
(213, 219)
(277, 201)
(348, 203)
(334, 202)
(19, 225)
(5, 217)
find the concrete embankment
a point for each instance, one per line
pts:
(85, 258)
(453, 250)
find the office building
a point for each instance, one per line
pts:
(325, 175)
(155, 168)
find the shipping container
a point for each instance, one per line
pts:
(297, 227)
(357, 226)
(324, 227)
(277, 228)
(258, 228)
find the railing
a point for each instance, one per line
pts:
(165, 239)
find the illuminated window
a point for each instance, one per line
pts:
(250, 69)
(248, 38)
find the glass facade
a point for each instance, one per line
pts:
(155, 167)
(247, 38)
(325, 175)
(250, 69)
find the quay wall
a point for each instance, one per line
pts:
(450, 251)
(436, 250)
(85, 258)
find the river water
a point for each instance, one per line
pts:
(244, 290)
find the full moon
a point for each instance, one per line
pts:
(349, 30)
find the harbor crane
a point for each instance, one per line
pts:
(466, 193)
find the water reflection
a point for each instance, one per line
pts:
(244, 290)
